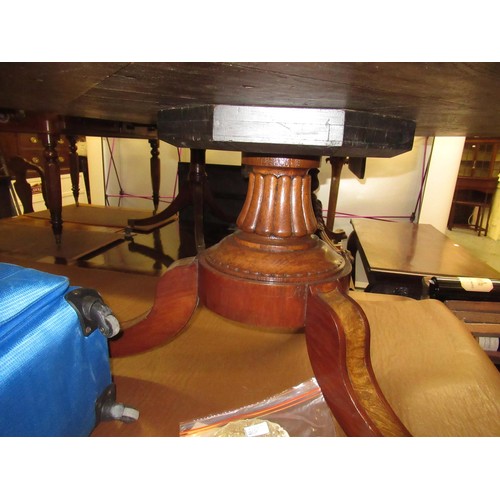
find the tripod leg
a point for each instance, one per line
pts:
(338, 343)
(183, 199)
(175, 301)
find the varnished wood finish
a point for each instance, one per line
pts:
(197, 194)
(74, 168)
(124, 99)
(415, 249)
(103, 216)
(278, 202)
(486, 185)
(155, 164)
(336, 163)
(52, 177)
(444, 98)
(260, 302)
(47, 127)
(31, 238)
(259, 275)
(338, 342)
(176, 299)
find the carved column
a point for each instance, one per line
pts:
(275, 245)
(278, 202)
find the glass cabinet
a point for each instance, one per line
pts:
(480, 158)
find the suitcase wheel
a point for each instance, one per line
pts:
(108, 409)
(93, 312)
(118, 411)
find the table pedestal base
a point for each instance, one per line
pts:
(275, 273)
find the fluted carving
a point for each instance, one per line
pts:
(275, 245)
(278, 204)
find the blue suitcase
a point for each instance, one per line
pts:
(55, 377)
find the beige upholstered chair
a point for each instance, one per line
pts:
(430, 368)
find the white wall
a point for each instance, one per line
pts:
(130, 172)
(96, 170)
(390, 188)
(440, 185)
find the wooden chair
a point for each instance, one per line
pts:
(18, 168)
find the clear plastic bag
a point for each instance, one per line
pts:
(297, 412)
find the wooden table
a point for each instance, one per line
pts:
(398, 255)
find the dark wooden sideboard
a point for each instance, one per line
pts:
(49, 137)
(30, 147)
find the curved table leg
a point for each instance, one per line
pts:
(175, 302)
(182, 200)
(338, 343)
(197, 193)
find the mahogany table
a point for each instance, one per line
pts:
(398, 255)
(274, 272)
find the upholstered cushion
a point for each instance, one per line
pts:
(432, 370)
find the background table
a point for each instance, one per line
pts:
(398, 255)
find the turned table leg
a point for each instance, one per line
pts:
(155, 172)
(74, 168)
(52, 173)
